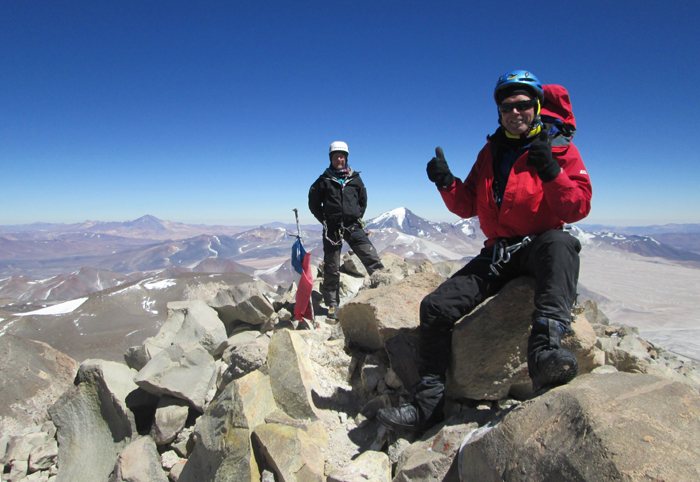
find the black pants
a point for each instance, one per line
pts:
(356, 237)
(551, 258)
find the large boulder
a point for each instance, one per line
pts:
(223, 449)
(246, 302)
(32, 377)
(185, 371)
(292, 452)
(291, 374)
(378, 314)
(489, 346)
(620, 426)
(93, 421)
(188, 321)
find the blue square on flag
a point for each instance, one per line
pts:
(298, 254)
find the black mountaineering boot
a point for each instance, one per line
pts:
(423, 413)
(549, 364)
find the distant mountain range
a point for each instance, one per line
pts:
(53, 262)
(645, 230)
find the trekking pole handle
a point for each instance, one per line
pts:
(296, 215)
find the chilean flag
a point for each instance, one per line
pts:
(301, 262)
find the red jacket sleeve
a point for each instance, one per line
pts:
(460, 198)
(569, 194)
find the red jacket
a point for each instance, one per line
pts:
(529, 206)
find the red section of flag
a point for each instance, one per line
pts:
(302, 308)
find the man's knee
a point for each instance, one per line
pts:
(559, 240)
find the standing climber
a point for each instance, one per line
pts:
(527, 182)
(338, 200)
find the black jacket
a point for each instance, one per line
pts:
(338, 203)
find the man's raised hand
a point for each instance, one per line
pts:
(439, 171)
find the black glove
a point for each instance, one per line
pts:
(439, 171)
(540, 157)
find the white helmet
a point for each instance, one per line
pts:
(338, 146)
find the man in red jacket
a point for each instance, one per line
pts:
(527, 182)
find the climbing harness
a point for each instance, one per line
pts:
(341, 231)
(502, 252)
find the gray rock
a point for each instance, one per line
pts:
(291, 375)
(32, 377)
(589, 310)
(349, 286)
(44, 456)
(246, 302)
(489, 346)
(192, 321)
(447, 268)
(170, 459)
(41, 476)
(184, 442)
(372, 371)
(185, 371)
(93, 422)
(139, 462)
(223, 448)
(35, 449)
(370, 465)
(378, 314)
(353, 266)
(170, 419)
(619, 426)
(432, 458)
(136, 357)
(247, 357)
(176, 471)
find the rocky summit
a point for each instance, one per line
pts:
(232, 388)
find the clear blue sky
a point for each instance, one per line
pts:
(223, 111)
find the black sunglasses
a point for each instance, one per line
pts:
(522, 105)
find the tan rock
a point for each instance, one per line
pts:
(619, 426)
(489, 346)
(381, 313)
(291, 452)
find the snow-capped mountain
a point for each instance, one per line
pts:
(95, 261)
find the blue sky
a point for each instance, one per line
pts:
(221, 112)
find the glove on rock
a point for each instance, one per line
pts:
(439, 171)
(540, 157)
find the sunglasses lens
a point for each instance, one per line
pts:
(521, 106)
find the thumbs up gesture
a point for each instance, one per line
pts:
(439, 171)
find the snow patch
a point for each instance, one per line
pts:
(148, 305)
(60, 309)
(268, 271)
(4, 328)
(160, 284)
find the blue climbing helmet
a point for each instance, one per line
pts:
(519, 78)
